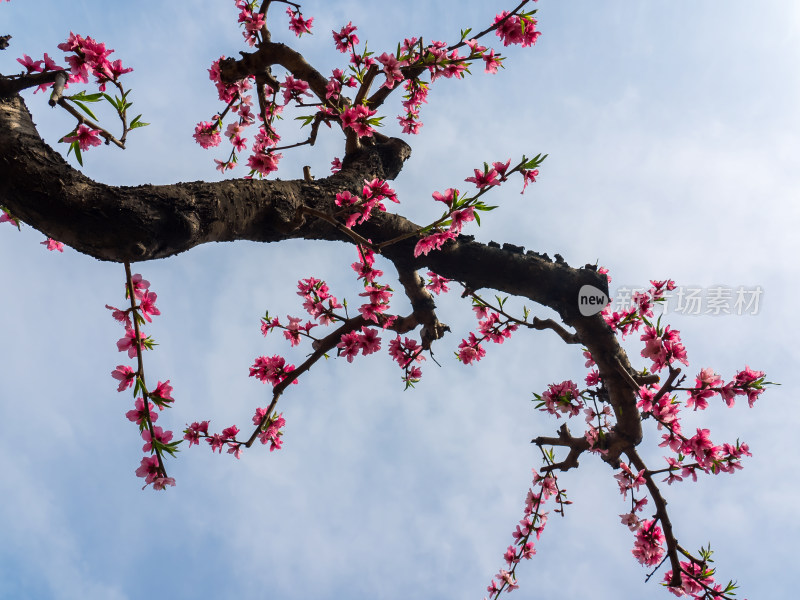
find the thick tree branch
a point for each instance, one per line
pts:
(149, 222)
(16, 83)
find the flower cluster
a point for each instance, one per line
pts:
(297, 24)
(372, 195)
(494, 325)
(463, 208)
(90, 57)
(158, 441)
(533, 521)
(560, 399)
(516, 29)
(406, 66)
(251, 20)
(85, 58)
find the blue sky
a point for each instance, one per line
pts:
(673, 142)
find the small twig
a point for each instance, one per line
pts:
(322, 347)
(577, 446)
(661, 514)
(84, 121)
(541, 324)
(58, 88)
(328, 219)
(666, 388)
(626, 376)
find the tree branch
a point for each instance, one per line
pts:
(150, 222)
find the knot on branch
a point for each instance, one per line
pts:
(380, 154)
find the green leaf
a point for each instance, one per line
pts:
(86, 97)
(77, 152)
(137, 123)
(534, 162)
(115, 102)
(307, 120)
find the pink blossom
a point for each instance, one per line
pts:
(51, 245)
(405, 351)
(129, 343)
(161, 483)
(356, 118)
(593, 378)
(163, 391)
(192, 432)
(627, 480)
(349, 346)
(140, 286)
(216, 442)
(125, 375)
(459, 217)
(646, 395)
(147, 305)
(369, 341)
(528, 551)
(702, 448)
(29, 64)
(378, 189)
(511, 556)
(449, 196)
(409, 123)
(345, 198)
(647, 548)
(631, 521)
(160, 435)
(223, 166)
(207, 135)
(148, 469)
(264, 163)
(6, 217)
(562, 398)
(345, 38)
(273, 433)
(433, 241)
(516, 30)
(437, 285)
(528, 177)
(84, 136)
(750, 383)
(139, 414)
(294, 89)
(391, 67)
(229, 433)
(470, 351)
(483, 179)
(272, 370)
(120, 315)
(297, 24)
(336, 165)
(492, 63)
(364, 266)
